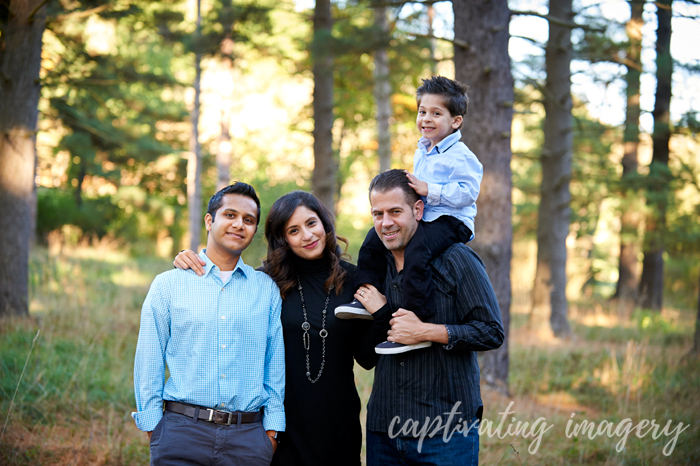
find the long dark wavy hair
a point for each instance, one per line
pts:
(280, 258)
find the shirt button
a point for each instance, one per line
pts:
(223, 376)
(224, 347)
(401, 364)
(222, 289)
(223, 317)
(401, 391)
(223, 405)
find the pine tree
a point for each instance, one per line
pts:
(549, 293)
(487, 133)
(22, 25)
(651, 286)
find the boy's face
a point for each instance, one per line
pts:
(434, 121)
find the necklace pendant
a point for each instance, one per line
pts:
(305, 326)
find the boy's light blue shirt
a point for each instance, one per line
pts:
(222, 343)
(453, 174)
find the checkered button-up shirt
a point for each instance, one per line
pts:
(222, 343)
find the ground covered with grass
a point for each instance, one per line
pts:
(72, 405)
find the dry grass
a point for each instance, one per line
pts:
(74, 401)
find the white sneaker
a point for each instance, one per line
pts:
(391, 347)
(353, 310)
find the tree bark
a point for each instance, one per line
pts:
(630, 219)
(323, 180)
(223, 153)
(651, 288)
(431, 33)
(382, 94)
(554, 210)
(194, 165)
(22, 24)
(696, 338)
(487, 131)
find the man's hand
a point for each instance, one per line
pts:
(370, 298)
(190, 260)
(408, 329)
(421, 187)
(271, 436)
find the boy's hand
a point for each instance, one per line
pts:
(421, 187)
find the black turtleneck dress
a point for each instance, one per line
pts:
(323, 418)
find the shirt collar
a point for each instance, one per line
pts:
(240, 266)
(440, 147)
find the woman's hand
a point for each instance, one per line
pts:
(190, 260)
(370, 298)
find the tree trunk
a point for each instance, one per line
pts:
(382, 94)
(432, 41)
(554, 210)
(323, 181)
(223, 153)
(696, 338)
(628, 278)
(194, 165)
(22, 24)
(487, 131)
(651, 288)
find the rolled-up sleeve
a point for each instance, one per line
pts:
(149, 361)
(480, 327)
(462, 175)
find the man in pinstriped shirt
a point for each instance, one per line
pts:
(426, 404)
(220, 336)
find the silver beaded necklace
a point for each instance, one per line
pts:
(323, 333)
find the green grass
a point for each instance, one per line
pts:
(87, 304)
(74, 402)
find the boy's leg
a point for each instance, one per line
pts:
(371, 268)
(371, 262)
(430, 241)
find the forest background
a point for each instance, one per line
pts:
(120, 119)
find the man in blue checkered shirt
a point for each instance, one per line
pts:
(220, 336)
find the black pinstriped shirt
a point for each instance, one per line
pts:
(427, 383)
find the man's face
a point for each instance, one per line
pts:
(395, 220)
(234, 225)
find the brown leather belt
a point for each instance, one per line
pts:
(214, 415)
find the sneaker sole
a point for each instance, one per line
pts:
(403, 349)
(353, 315)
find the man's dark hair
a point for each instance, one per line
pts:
(453, 92)
(392, 179)
(236, 188)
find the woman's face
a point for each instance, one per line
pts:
(305, 234)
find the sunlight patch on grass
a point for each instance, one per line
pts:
(129, 276)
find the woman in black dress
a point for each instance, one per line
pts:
(322, 406)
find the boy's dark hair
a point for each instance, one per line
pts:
(454, 93)
(391, 179)
(236, 188)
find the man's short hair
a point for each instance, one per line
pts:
(392, 179)
(452, 91)
(236, 188)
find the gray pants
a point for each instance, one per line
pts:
(179, 440)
